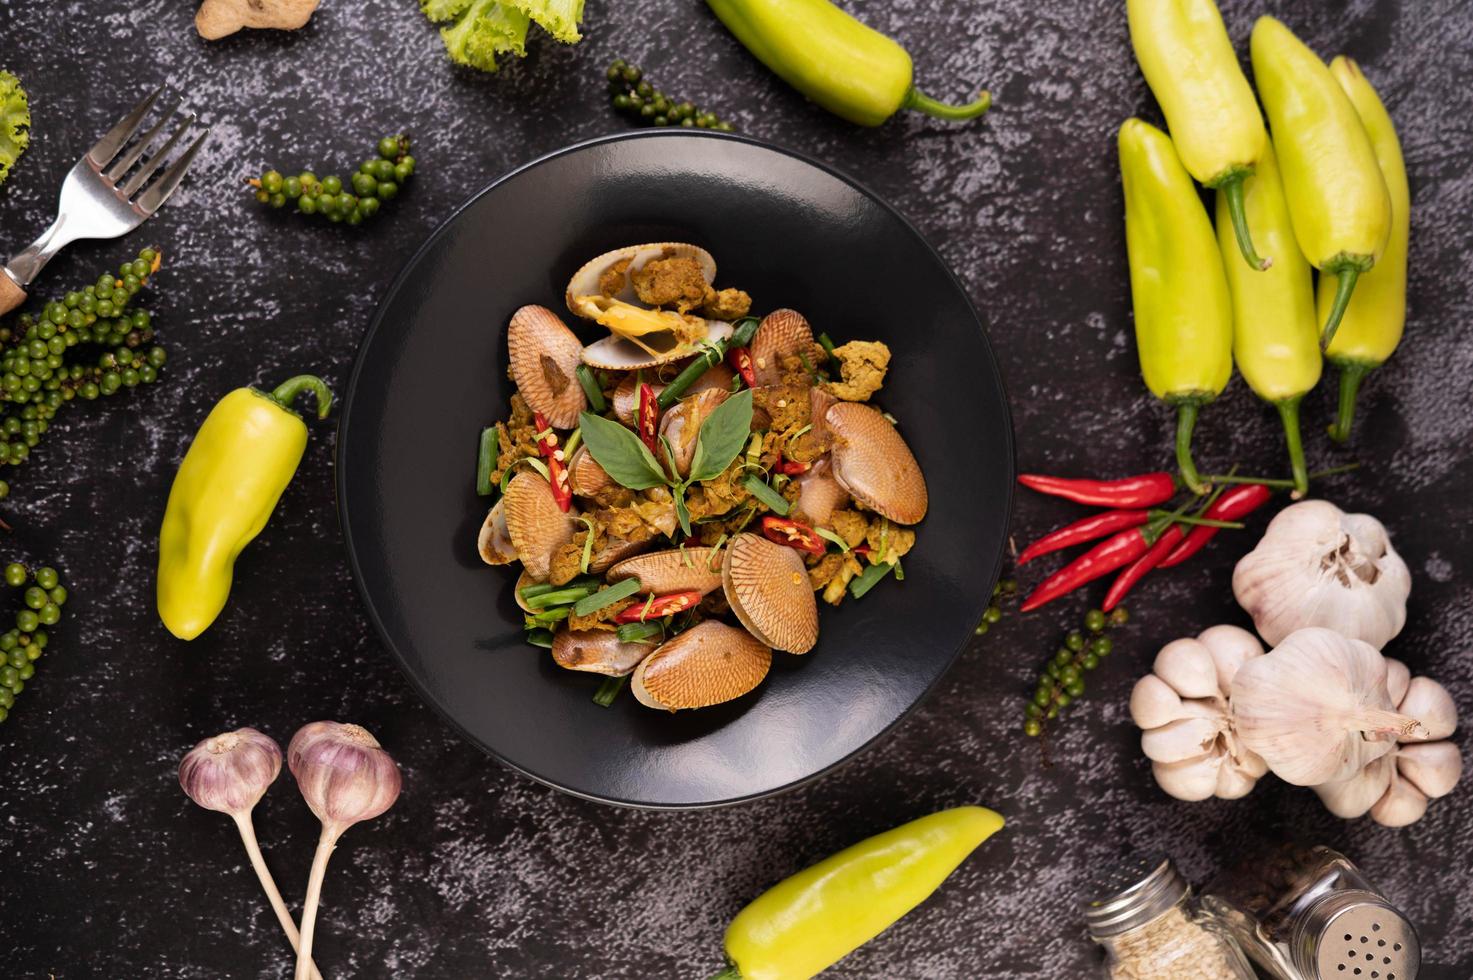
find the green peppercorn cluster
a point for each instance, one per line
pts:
(1063, 679)
(1005, 589)
(21, 647)
(640, 100)
(90, 343)
(377, 181)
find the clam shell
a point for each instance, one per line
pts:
(585, 280)
(767, 587)
(872, 462)
(662, 572)
(493, 542)
(682, 424)
(597, 652)
(523, 580)
(617, 354)
(616, 550)
(781, 332)
(819, 403)
(544, 356)
(626, 399)
(819, 494)
(585, 476)
(535, 524)
(707, 664)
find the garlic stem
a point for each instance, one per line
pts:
(1378, 721)
(325, 845)
(268, 885)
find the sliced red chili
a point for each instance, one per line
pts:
(1141, 567)
(1235, 503)
(1146, 490)
(1088, 529)
(1102, 559)
(658, 607)
(649, 419)
(793, 534)
(557, 470)
(792, 467)
(740, 361)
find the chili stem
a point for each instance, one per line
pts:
(268, 885)
(1232, 188)
(1186, 421)
(1272, 481)
(1343, 288)
(1289, 414)
(1207, 522)
(286, 392)
(1351, 375)
(325, 845)
(921, 102)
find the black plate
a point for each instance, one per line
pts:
(432, 372)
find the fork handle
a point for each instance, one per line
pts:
(11, 295)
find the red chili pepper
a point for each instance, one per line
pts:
(1141, 567)
(1087, 529)
(1102, 559)
(557, 470)
(740, 360)
(793, 534)
(792, 467)
(1146, 490)
(658, 607)
(861, 549)
(649, 419)
(1238, 502)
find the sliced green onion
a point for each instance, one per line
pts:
(825, 533)
(807, 365)
(562, 597)
(827, 344)
(609, 690)
(547, 617)
(591, 389)
(754, 452)
(640, 632)
(744, 330)
(899, 572)
(890, 418)
(587, 544)
(486, 462)
(540, 638)
(868, 579)
(606, 597)
(532, 461)
(716, 552)
(770, 498)
(542, 588)
(801, 432)
(570, 446)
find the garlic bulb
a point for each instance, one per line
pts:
(1319, 566)
(1395, 789)
(1316, 708)
(1187, 727)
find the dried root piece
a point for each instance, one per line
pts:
(219, 18)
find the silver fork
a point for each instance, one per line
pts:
(96, 200)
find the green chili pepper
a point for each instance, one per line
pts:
(850, 69)
(806, 923)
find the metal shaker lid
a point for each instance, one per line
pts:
(1131, 894)
(1356, 935)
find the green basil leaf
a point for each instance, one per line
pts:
(681, 512)
(722, 436)
(620, 453)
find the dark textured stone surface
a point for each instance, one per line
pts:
(110, 872)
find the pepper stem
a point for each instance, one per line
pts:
(1186, 421)
(1273, 481)
(1289, 415)
(730, 973)
(1232, 189)
(286, 392)
(921, 102)
(1348, 275)
(1351, 375)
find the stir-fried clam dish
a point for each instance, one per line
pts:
(680, 491)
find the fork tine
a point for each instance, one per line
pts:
(153, 198)
(107, 147)
(126, 161)
(156, 160)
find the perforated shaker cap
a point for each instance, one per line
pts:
(1131, 894)
(1356, 935)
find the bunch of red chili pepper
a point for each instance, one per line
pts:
(1141, 536)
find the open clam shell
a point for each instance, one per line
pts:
(682, 424)
(597, 652)
(601, 276)
(819, 494)
(675, 570)
(873, 463)
(614, 353)
(535, 524)
(782, 332)
(585, 476)
(626, 399)
(767, 587)
(544, 356)
(615, 551)
(494, 543)
(707, 664)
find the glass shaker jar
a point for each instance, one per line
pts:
(1145, 917)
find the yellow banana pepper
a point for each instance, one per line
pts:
(1275, 333)
(1183, 316)
(806, 923)
(1184, 52)
(1337, 196)
(1373, 322)
(241, 460)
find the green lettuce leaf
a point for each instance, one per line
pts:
(560, 18)
(15, 122)
(443, 10)
(486, 29)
